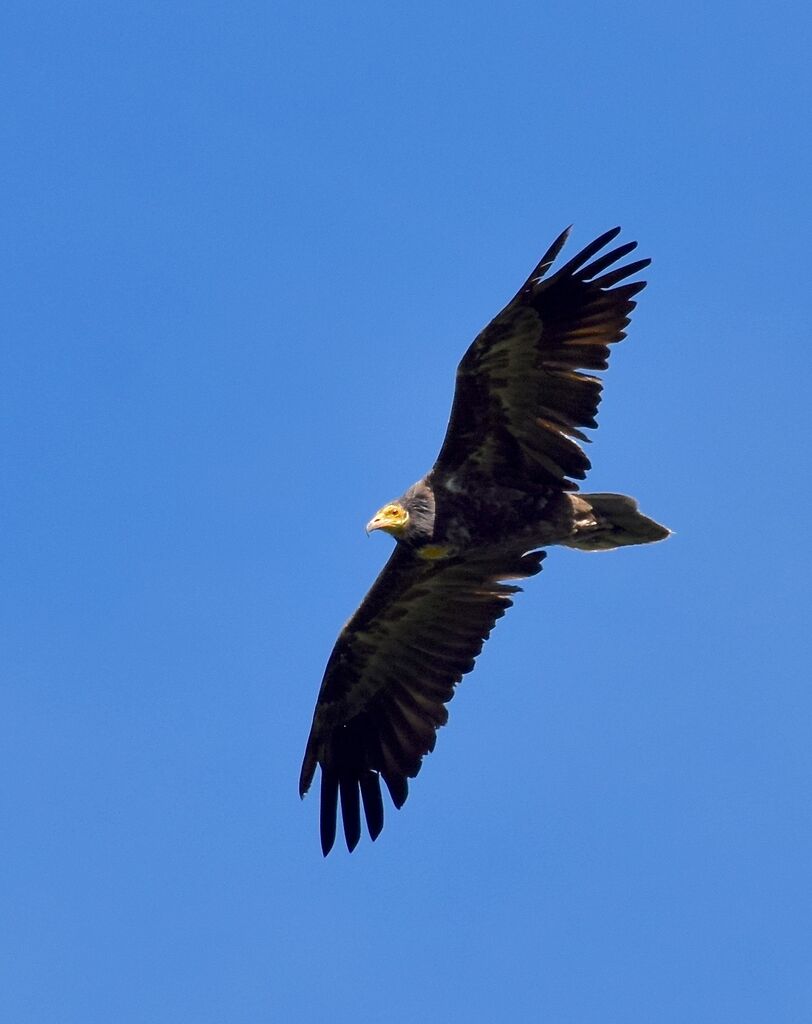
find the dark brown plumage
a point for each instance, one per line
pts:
(501, 487)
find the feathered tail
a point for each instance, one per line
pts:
(607, 521)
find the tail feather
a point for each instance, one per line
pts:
(607, 521)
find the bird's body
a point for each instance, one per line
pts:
(503, 486)
(471, 513)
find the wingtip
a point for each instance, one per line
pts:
(308, 769)
(398, 786)
(328, 810)
(373, 803)
(350, 810)
(547, 259)
(305, 780)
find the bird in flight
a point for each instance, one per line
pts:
(503, 487)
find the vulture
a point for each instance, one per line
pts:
(502, 489)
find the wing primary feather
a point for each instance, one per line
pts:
(398, 786)
(607, 260)
(402, 749)
(350, 808)
(548, 258)
(373, 802)
(626, 291)
(588, 252)
(411, 721)
(618, 275)
(328, 809)
(308, 769)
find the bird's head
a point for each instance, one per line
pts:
(392, 518)
(408, 518)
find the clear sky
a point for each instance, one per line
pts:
(243, 248)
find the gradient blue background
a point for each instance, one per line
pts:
(243, 248)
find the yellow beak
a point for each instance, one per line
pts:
(391, 519)
(377, 522)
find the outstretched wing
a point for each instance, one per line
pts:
(393, 669)
(521, 396)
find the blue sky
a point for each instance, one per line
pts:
(244, 247)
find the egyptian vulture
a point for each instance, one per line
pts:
(503, 487)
